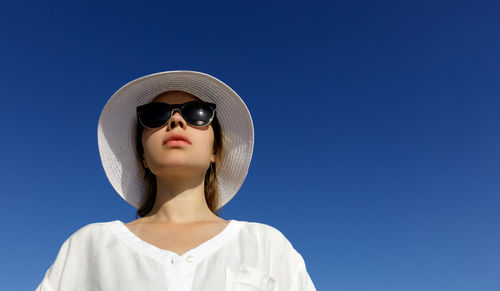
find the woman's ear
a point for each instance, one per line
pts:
(144, 164)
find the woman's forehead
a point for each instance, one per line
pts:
(175, 97)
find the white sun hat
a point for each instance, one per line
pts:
(117, 125)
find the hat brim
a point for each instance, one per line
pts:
(117, 123)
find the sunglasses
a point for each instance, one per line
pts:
(157, 114)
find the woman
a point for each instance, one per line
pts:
(176, 145)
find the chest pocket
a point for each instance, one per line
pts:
(249, 279)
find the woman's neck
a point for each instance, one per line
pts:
(181, 200)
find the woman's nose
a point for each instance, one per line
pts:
(176, 120)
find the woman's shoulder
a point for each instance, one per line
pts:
(93, 229)
(260, 226)
(264, 231)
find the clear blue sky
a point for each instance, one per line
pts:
(377, 143)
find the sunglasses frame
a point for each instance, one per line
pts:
(177, 107)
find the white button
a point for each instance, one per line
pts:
(172, 260)
(189, 259)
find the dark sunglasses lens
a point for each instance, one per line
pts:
(197, 113)
(155, 115)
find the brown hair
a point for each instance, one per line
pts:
(212, 195)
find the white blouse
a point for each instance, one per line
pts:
(244, 256)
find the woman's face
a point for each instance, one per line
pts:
(187, 158)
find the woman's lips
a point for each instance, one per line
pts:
(176, 142)
(177, 139)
